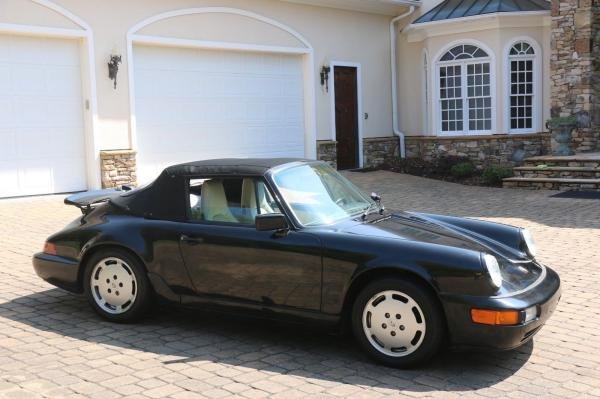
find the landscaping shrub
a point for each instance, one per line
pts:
(462, 170)
(493, 175)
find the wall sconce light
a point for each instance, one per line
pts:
(113, 68)
(325, 77)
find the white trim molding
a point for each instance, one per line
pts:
(538, 101)
(305, 51)
(426, 93)
(359, 97)
(500, 20)
(435, 97)
(88, 76)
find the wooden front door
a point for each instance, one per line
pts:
(346, 117)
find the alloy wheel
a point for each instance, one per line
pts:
(113, 285)
(393, 323)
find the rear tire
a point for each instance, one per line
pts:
(397, 322)
(116, 286)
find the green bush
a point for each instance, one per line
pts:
(493, 175)
(462, 169)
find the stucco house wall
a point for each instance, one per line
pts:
(331, 32)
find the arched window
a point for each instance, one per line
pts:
(465, 92)
(521, 59)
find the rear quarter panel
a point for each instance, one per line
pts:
(155, 242)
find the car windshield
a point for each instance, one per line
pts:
(317, 194)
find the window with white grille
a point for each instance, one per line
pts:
(521, 69)
(465, 91)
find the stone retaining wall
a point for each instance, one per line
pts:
(502, 149)
(118, 168)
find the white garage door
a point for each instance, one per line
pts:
(41, 122)
(195, 104)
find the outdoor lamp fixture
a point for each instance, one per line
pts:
(325, 77)
(113, 68)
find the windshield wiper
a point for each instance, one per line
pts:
(377, 201)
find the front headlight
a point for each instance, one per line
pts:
(491, 264)
(530, 247)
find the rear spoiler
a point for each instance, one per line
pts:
(87, 199)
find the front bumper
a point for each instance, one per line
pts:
(465, 333)
(57, 270)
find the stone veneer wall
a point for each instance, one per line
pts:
(575, 68)
(376, 150)
(118, 168)
(327, 151)
(502, 149)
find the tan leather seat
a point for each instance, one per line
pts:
(213, 202)
(248, 201)
(249, 198)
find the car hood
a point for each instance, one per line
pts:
(423, 228)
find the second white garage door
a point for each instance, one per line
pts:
(193, 104)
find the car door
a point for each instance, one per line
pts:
(228, 259)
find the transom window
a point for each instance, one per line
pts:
(465, 91)
(521, 60)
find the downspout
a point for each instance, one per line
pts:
(397, 131)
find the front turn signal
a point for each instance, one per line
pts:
(495, 317)
(49, 248)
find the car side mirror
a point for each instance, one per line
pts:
(271, 222)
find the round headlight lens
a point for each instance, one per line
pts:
(529, 242)
(491, 263)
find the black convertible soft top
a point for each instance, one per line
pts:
(165, 198)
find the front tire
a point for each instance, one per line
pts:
(398, 322)
(116, 286)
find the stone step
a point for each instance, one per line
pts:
(577, 172)
(576, 161)
(550, 183)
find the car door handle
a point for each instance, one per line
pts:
(190, 240)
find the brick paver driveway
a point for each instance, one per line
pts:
(52, 345)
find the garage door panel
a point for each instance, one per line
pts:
(31, 111)
(8, 147)
(212, 104)
(65, 112)
(41, 121)
(7, 112)
(5, 83)
(9, 176)
(28, 79)
(59, 80)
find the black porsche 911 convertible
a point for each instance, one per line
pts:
(294, 240)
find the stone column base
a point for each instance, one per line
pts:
(118, 167)
(327, 151)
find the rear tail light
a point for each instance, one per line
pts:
(49, 248)
(496, 317)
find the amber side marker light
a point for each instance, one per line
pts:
(495, 317)
(49, 248)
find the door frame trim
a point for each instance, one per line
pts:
(306, 53)
(359, 97)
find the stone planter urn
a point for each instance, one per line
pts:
(562, 134)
